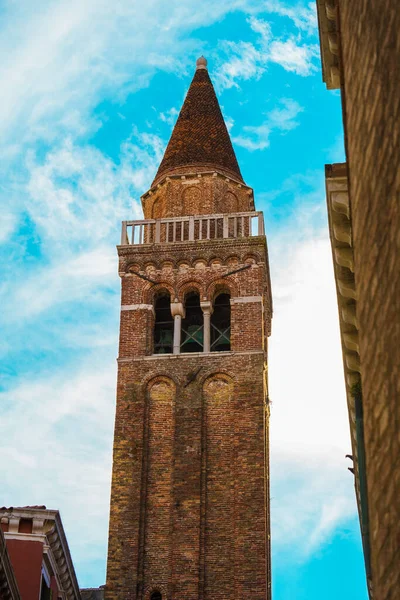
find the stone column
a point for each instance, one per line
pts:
(178, 312)
(207, 311)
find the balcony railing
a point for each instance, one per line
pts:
(193, 228)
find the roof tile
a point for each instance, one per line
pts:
(200, 137)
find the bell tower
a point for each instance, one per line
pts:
(190, 486)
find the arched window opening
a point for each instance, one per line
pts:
(156, 596)
(221, 324)
(192, 325)
(164, 325)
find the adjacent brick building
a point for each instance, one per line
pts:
(8, 583)
(360, 48)
(38, 554)
(190, 488)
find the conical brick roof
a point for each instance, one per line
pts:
(200, 138)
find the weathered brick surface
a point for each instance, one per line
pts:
(188, 266)
(190, 487)
(189, 506)
(370, 53)
(204, 195)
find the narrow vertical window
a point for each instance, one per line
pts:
(221, 324)
(192, 325)
(164, 325)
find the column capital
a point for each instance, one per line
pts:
(177, 309)
(207, 307)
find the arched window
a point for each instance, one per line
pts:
(164, 325)
(156, 596)
(221, 324)
(192, 325)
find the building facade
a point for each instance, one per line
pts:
(190, 487)
(360, 49)
(8, 583)
(38, 554)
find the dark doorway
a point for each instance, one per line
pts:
(156, 596)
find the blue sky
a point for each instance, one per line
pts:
(91, 90)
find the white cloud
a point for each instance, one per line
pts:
(60, 59)
(169, 116)
(279, 119)
(246, 60)
(77, 194)
(294, 57)
(65, 450)
(7, 225)
(312, 490)
(79, 278)
(303, 17)
(284, 118)
(253, 137)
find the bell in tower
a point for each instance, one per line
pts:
(189, 513)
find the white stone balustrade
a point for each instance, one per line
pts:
(192, 228)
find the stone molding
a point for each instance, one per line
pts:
(138, 307)
(329, 42)
(246, 299)
(189, 355)
(340, 230)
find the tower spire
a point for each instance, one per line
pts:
(200, 139)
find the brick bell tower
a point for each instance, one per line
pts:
(190, 486)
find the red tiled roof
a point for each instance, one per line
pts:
(200, 137)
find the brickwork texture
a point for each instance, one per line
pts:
(190, 488)
(370, 57)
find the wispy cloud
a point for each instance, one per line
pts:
(281, 119)
(312, 490)
(247, 59)
(303, 17)
(169, 116)
(65, 450)
(244, 62)
(294, 57)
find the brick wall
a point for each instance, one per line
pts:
(189, 505)
(370, 56)
(202, 195)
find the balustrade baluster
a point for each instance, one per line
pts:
(158, 232)
(225, 226)
(124, 234)
(191, 229)
(260, 224)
